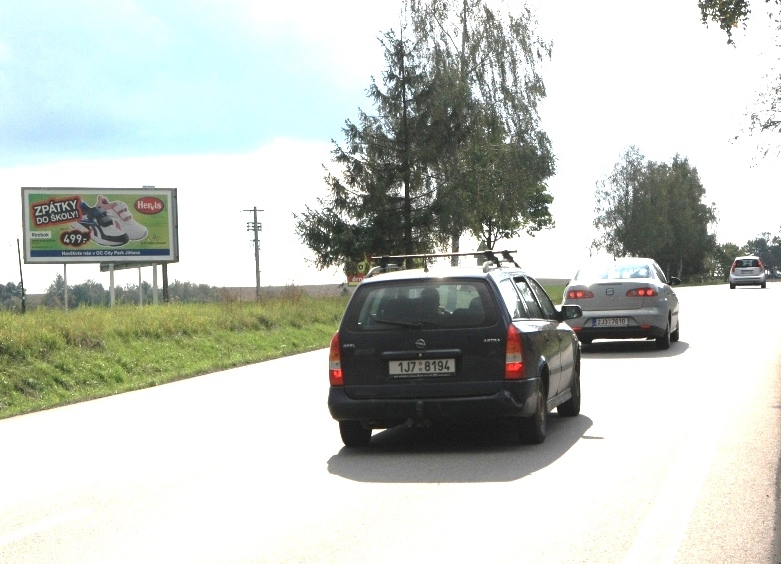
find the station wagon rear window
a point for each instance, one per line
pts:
(415, 304)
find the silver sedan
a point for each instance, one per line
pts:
(628, 298)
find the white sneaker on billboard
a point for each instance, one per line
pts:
(120, 212)
(104, 230)
(80, 227)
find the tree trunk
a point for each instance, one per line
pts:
(455, 244)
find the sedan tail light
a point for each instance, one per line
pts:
(335, 375)
(579, 294)
(642, 293)
(513, 364)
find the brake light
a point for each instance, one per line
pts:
(513, 364)
(734, 266)
(642, 293)
(759, 263)
(579, 294)
(335, 375)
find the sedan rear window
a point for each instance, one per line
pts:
(429, 304)
(614, 272)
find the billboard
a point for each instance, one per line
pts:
(82, 225)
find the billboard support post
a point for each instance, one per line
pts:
(111, 284)
(154, 284)
(65, 281)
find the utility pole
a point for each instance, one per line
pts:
(256, 227)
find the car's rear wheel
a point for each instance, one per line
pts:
(532, 430)
(675, 335)
(571, 407)
(764, 284)
(354, 434)
(732, 286)
(663, 342)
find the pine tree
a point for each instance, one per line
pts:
(381, 203)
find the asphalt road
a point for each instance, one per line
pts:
(674, 458)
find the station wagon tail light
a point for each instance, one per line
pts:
(642, 293)
(335, 375)
(579, 294)
(513, 364)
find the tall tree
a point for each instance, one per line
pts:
(10, 296)
(728, 14)
(55, 294)
(689, 221)
(648, 228)
(723, 256)
(382, 201)
(490, 178)
(654, 209)
(766, 247)
(615, 197)
(512, 198)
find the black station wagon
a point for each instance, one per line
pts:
(453, 344)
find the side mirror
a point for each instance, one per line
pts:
(674, 280)
(571, 312)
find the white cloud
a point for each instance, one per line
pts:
(340, 36)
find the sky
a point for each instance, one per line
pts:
(236, 103)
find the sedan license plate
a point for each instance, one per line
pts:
(611, 322)
(427, 367)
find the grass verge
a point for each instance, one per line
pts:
(50, 357)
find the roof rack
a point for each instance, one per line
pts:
(492, 258)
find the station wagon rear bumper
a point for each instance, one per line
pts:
(517, 399)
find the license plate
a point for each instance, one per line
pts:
(611, 322)
(427, 367)
(746, 272)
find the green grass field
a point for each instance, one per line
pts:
(52, 357)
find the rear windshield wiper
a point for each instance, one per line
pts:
(413, 324)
